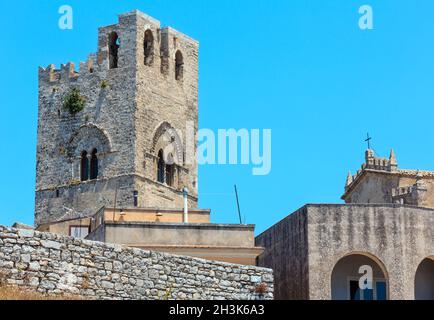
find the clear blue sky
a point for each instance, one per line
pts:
(302, 68)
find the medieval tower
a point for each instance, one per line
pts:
(121, 131)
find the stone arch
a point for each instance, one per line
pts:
(424, 280)
(345, 277)
(166, 138)
(88, 138)
(95, 144)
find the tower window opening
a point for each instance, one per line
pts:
(94, 165)
(179, 66)
(114, 44)
(170, 174)
(170, 170)
(161, 167)
(136, 198)
(84, 167)
(148, 47)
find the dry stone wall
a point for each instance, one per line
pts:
(59, 265)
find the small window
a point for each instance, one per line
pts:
(94, 165)
(80, 232)
(161, 167)
(170, 175)
(57, 193)
(148, 47)
(84, 167)
(114, 44)
(170, 170)
(179, 66)
(136, 198)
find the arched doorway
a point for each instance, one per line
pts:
(424, 280)
(347, 275)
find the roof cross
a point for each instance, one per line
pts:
(368, 140)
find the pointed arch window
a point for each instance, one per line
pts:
(94, 165)
(170, 170)
(114, 44)
(161, 167)
(84, 166)
(179, 65)
(148, 47)
(170, 173)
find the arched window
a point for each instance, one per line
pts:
(179, 65)
(148, 47)
(161, 167)
(84, 167)
(170, 171)
(114, 45)
(170, 175)
(94, 165)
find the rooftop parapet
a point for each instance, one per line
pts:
(373, 163)
(128, 27)
(66, 71)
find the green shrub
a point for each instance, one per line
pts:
(74, 102)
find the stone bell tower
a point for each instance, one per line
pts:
(123, 127)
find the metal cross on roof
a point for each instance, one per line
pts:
(368, 140)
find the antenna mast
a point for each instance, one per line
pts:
(238, 204)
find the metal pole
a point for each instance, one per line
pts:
(185, 205)
(238, 204)
(116, 199)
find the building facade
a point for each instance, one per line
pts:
(385, 232)
(116, 153)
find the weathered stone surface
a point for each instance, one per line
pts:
(25, 258)
(129, 273)
(24, 233)
(50, 244)
(305, 247)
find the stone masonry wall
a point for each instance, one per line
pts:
(54, 264)
(286, 253)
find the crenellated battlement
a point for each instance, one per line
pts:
(402, 191)
(373, 163)
(127, 37)
(67, 71)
